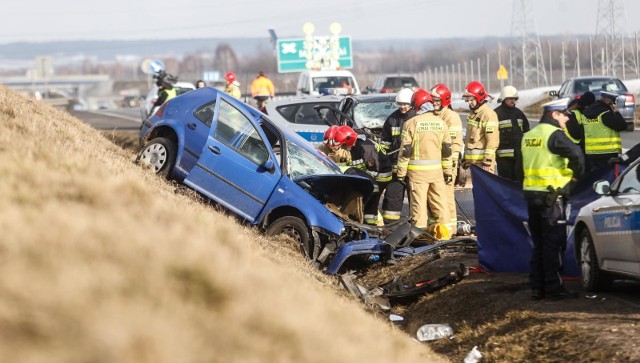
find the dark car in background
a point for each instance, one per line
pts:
(573, 88)
(393, 83)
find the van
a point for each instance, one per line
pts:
(314, 83)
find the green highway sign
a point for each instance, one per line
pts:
(296, 55)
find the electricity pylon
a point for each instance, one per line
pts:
(611, 31)
(528, 60)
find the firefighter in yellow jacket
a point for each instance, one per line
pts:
(335, 150)
(425, 159)
(441, 95)
(483, 134)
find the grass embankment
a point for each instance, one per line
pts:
(101, 261)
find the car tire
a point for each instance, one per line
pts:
(630, 126)
(593, 279)
(295, 228)
(158, 154)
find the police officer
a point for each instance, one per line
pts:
(551, 162)
(483, 137)
(425, 159)
(512, 123)
(366, 156)
(602, 124)
(574, 128)
(334, 149)
(165, 93)
(390, 140)
(441, 95)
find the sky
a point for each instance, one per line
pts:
(48, 20)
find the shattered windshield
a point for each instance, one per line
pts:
(373, 114)
(302, 163)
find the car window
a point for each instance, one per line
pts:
(205, 112)
(400, 82)
(331, 82)
(302, 162)
(629, 183)
(237, 132)
(181, 90)
(564, 89)
(372, 114)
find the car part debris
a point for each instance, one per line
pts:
(398, 291)
(473, 356)
(372, 297)
(430, 332)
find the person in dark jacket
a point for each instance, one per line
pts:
(390, 140)
(574, 129)
(551, 164)
(601, 126)
(512, 124)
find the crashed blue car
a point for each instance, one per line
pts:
(266, 175)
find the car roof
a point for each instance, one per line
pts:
(374, 97)
(589, 78)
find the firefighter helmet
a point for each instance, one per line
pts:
(346, 135)
(329, 135)
(230, 77)
(508, 92)
(404, 96)
(442, 92)
(476, 90)
(419, 98)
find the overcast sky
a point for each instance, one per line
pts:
(45, 20)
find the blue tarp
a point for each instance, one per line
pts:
(500, 210)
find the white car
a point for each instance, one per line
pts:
(315, 83)
(298, 115)
(607, 232)
(152, 96)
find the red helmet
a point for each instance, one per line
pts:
(330, 135)
(442, 92)
(476, 90)
(419, 98)
(346, 135)
(230, 77)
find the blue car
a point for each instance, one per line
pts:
(266, 175)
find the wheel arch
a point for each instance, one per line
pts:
(283, 211)
(163, 131)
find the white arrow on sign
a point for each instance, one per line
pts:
(289, 48)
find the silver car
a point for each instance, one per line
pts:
(607, 232)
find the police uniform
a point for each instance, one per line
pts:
(512, 123)
(483, 137)
(425, 157)
(602, 128)
(454, 123)
(368, 156)
(390, 140)
(550, 161)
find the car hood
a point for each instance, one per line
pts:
(342, 194)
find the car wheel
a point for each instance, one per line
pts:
(631, 126)
(593, 279)
(158, 154)
(295, 228)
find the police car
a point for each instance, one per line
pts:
(607, 232)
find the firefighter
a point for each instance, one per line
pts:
(390, 140)
(366, 156)
(441, 95)
(335, 150)
(483, 137)
(512, 123)
(425, 159)
(551, 164)
(602, 124)
(574, 129)
(233, 86)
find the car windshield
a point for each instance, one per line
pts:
(373, 114)
(600, 84)
(320, 83)
(303, 163)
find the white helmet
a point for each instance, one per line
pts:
(404, 96)
(508, 92)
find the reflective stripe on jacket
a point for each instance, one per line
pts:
(542, 167)
(482, 134)
(598, 138)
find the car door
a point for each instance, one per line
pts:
(617, 224)
(236, 167)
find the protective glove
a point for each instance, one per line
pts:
(402, 182)
(448, 178)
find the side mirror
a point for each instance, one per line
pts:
(268, 165)
(553, 93)
(602, 187)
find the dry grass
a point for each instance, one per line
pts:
(101, 261)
